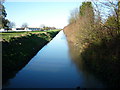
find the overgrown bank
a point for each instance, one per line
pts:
(19, 50)
(96, 42)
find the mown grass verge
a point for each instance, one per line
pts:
(8, 35)
(18, 51)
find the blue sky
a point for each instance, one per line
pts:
(37, 13)
(48, 12)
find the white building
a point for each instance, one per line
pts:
(2, 29)
(26, 29)
(34, 29)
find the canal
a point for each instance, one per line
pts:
(53, 67)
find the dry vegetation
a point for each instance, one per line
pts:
(97, 40)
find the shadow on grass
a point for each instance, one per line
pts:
(18, 51)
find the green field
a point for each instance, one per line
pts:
(8, 35)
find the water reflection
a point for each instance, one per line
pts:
(90, 80)
(53, 67)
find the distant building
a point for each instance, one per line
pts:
(2, 29)
(13, 29)
(34, 29)
(27, 29)
(20, 28)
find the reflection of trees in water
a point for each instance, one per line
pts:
(89, 79)
(75, 55)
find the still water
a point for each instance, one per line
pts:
(53, 67)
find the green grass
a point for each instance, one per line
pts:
(18, 51)
(53, 30)
(8, 35)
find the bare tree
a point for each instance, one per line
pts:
(74, 15)
(42, 25)
(11, 25)
(24, 25)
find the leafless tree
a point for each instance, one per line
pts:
(11, 25)
(24, 25)
(74, 15)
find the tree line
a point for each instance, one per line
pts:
(90, 24)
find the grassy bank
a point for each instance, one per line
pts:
(8, 35)
(18, 50)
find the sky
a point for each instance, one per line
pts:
(53, 13)
(37, 13)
